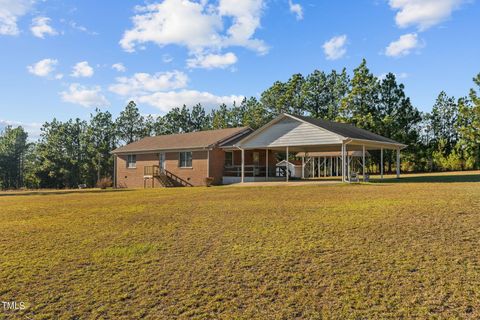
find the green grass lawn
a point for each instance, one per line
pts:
(379, 250)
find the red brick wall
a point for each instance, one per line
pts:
(217, 161)
(196, 174)
(237, 157)
(133, 178)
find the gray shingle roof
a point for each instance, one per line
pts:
(346, 130)
(192, 140)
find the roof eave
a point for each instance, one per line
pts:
(233, 136)
(211, 145)
(140, 151)
(377, 142)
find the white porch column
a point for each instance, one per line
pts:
(303, 167)
(363, 162)
(331, 166)
(325, 166)
(398, 163)
(243, 165)
(286, 165)
(313, 165)
(348, 164)
(319, 167)
(381, 163)
(266, 164)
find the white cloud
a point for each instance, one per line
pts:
(40, 27)
(165, 101)
(335, 48)
(84, 96)
(166, 90)
(203, 28)
(119, 67)
(180, 22)
(43, 68)
(423, 13)
(212, 61)
(246, 16)
(296, 9)
(403, 46)
(82, 69)
(33, 129)
(144, 83)
(10, 11)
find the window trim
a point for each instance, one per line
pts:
(233, 159)
(129, 162)
(180, 160)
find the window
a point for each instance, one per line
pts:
(229, 159)
(131, 161)
(185, 159)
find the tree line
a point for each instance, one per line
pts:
(78, 151)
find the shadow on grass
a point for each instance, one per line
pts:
(56, 192)
(432, 179)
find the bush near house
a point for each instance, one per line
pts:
(104, 183)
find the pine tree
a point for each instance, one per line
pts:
(361, 103)
(13, 148)
(130, 124)
(101, 140)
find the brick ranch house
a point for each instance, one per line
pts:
(185, 159)
(235, 155)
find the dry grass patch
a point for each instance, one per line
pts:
(393, 250)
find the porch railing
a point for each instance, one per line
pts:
(165, 177)
(250, 171)
(153, 171)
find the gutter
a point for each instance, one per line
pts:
(160, 150)
(401, 145)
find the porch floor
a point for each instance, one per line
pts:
(305, 182)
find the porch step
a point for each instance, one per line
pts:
(165, 181)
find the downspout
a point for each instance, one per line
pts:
(208, 163)
(115, 171)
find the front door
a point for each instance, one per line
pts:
(162, 161)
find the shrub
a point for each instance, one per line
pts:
(104, 183)
(208, 181)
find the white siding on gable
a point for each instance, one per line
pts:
(291, 132)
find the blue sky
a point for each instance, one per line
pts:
(62, 58)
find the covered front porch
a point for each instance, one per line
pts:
(346, 162)
(326, 149)
(254, 165)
